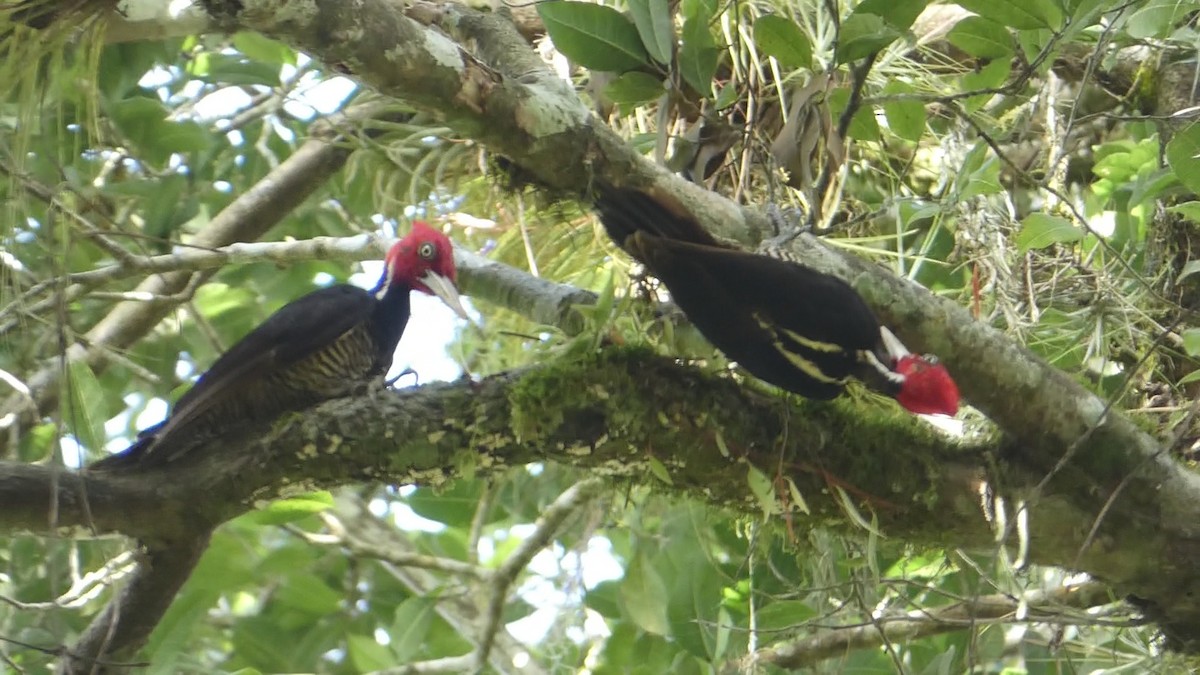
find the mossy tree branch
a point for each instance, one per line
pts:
(611, 413)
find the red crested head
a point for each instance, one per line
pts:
(928, 388)
(423, 260)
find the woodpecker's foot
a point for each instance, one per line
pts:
(788, 224)
(388, 384)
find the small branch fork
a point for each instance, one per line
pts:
(1059, 605)
(352, 527)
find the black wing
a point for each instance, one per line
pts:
(783, 322)
(298, 330)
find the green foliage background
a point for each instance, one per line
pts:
(1028, 163)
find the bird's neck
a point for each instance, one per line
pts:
(391, 313)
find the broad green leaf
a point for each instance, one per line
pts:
(1040, 230)
(1191, 341)
(634, 88)
(784, 614)
(763, 490)
(237, 70)
(1157, 18)
(863, 126)
(906, 118)
(899, 14)
(143, 121)
(698, 56)
(292, 509)
(653, 21)
(644, 597)
(307, 593)
(455, 506)
(979, 175)
(727, 96)
(658, 470)
(1189, 210)
(605, 599)
(981, 38)
(990, 76)
(1085, 12)
(594, 36)
(410, 627)
(862, 35)
(783, 40)
(258, 47)
(86, 416)
(1183, 155)
(368, 655)
(705, 8)
(1019, 14)
(1188, 270)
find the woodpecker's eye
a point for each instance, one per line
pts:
(427, 250)
(930, 359)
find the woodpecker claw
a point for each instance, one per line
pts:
(787, 226)
(389, 383)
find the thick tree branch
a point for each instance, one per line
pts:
(498, 94)
(609, 413)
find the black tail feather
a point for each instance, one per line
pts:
(129, 457)
(626, 211)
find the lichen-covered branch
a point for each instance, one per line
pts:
(611, 413)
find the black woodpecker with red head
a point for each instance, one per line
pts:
(786, 324)
(330, 343)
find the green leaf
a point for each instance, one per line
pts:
(899, 14)
(143, 121)
(644, 597)
(594, 36)
(308, 594)
(455, 506)
(1040, 230)
(698, 56)
(763, 490)
(1191, 341)
(258, 47)
(981, 38)
(1188, 270)
(410, 627)
(1157, 18)
(862, 35)
(653, 21)
(292, 509)
(368, 655)
(783, 40)
(784, 614)
(727, 96)
(1020, 14)
(86, 417)
(1183, 155)
(234, 69)
(1189, 210)
(989, 77)
(634, 88)
(979, 175)
(863, 126)
(905, 118)
(658, 470)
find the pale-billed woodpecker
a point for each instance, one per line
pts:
(329, 343)
(785, 323)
